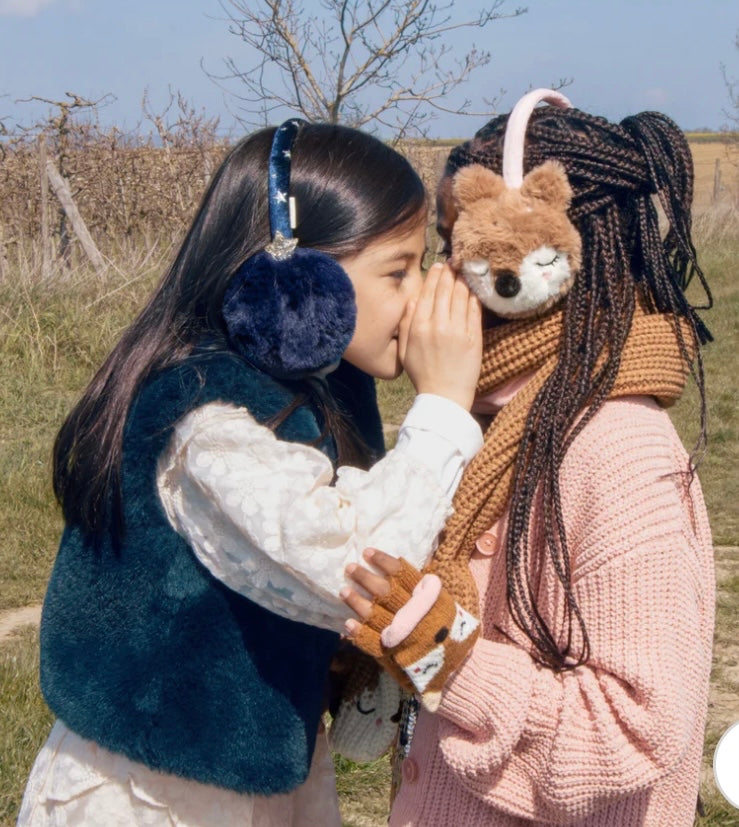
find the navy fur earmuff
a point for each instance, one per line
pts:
(289, 310)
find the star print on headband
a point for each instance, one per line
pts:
(282, 218)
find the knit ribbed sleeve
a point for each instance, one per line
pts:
(622, 734)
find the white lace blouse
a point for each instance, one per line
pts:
(263, 516)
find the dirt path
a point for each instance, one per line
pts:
(13, 620)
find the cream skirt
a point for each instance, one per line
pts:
(76, 782)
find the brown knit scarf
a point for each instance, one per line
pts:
(651, 364)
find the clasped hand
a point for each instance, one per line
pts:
(411, 624)
(440, 338)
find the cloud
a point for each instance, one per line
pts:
(23, 8)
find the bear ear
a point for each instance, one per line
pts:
(548, 183)
(475, 182)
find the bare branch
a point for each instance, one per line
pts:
(363, 62)
(732, 91)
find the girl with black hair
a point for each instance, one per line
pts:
(580, 538)
(214, 484)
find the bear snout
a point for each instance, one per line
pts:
(507, 283)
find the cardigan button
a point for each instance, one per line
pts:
(410, 770)
(487, 543)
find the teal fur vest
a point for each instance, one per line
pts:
(146, 653)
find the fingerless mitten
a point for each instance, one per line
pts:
(418, 633)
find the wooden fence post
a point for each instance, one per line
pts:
(717, 181)
(64, 194)
(46, 249)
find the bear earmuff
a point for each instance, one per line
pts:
(512, 241)
(289, 310)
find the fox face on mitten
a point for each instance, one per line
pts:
(454, 630)
(418, 633)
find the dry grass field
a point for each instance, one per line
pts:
(711, 153)
(710, 157)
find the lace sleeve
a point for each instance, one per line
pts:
(263, 516)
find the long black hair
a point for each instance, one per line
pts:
(351, 189)
(616, 171)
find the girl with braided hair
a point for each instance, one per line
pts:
(580, 537)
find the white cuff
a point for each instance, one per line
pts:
(447, 420)
(442, 436)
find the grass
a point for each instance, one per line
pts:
(362, 787)
(724, 702)
(363, 791)
(52, 337)
(718, 468)
(712, 137)
(26, 721)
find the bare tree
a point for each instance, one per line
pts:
(732, 88)
(60, 129)
(363, 62)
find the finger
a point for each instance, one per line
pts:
(474, 315)
(443, 294)
(374, 584)
(425, 302)
(404, 329)
(460, 303)
(367, 640)
(352, 627)
(386, 563)
(358, 604)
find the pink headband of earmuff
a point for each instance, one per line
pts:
(515, 132)
(526, 262)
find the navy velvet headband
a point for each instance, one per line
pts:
(289, 310)
(279, 178)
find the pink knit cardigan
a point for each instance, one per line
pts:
(618, 741)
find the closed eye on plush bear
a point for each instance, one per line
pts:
(548, 263)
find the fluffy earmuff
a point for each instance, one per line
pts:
(290, 317)
(512, 240)
(289, 310)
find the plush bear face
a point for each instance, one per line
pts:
(516, 248)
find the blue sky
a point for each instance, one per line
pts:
(623, 56)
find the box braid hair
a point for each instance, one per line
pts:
(615, 170)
